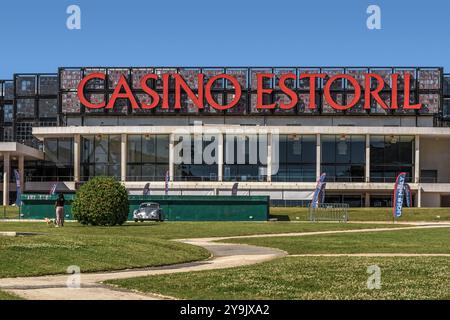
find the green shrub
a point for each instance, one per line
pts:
(102, 201)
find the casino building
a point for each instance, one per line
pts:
(49, 136)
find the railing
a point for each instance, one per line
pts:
(233, 179)
(49, 178)
(329, 212)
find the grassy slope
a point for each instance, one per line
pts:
(9, 212)
(7, 296)
(131, 245)
(179, 230)
(369, 214)
(307, 278)
(434, 240)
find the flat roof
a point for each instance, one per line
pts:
(18, 149)
(45, 132)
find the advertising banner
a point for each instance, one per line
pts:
(320, 182)
(234, 189)
(18, 187)
(166, 189)
(399, 192)
(146, 190)
(408, 195)
(53, 188)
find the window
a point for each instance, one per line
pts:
(192, 166)
(48, 108)
(390, 155)
(148, 157)
(48, 85)
(8, 113)
(343, 157)
(26, 85)
(101, 156)
(25, 108)
(245, 158)
(296, 158)
(58, 162)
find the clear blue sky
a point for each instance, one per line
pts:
(34, 37)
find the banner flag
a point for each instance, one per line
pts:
(166, 189)
(399, 194)
(53, 189)
(234, 190)
(408, 195)
(146, 190)
(18, 187)
(320, 182)
(322, 193)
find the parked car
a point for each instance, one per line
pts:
(148, 211)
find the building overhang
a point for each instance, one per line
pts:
(69, 131)
(18, 149)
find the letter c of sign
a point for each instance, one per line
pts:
(81, 86)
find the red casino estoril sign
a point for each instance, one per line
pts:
(373, 85)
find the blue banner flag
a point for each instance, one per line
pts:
(18, 187)
(316, 199)
(53, 189)
(146, 190)
(166, 188)
(234, 190)
(399, 192)
(322, 193)
(408, 195)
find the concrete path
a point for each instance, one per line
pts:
(224, 255)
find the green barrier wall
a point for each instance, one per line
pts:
(175, 208)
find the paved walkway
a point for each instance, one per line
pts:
(224, 255)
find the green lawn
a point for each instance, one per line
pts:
(127, 246)
(307, 278)
(7, 296)
(435, 240)
(181, 230)
(9, 212)
(368, 214)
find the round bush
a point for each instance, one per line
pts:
(102, 201)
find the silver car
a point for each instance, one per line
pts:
(148, 211)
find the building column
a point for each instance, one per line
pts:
(220, 158)
(269, 157)
(76, 157)
(6, 171)
(367, 175)
(21, 166)
(367, 200)
(123, 157)
(419, 197)
(417, 159)
(318, 156)
(171, 156)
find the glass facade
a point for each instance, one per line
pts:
(390, 155)
(343, 157)
(148, 157)
(100, 156)
(297, 159)
(194, 166)
(57, 164)
(245, 158)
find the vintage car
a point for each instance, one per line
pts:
(148, 211)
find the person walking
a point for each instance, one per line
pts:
(59, 205)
